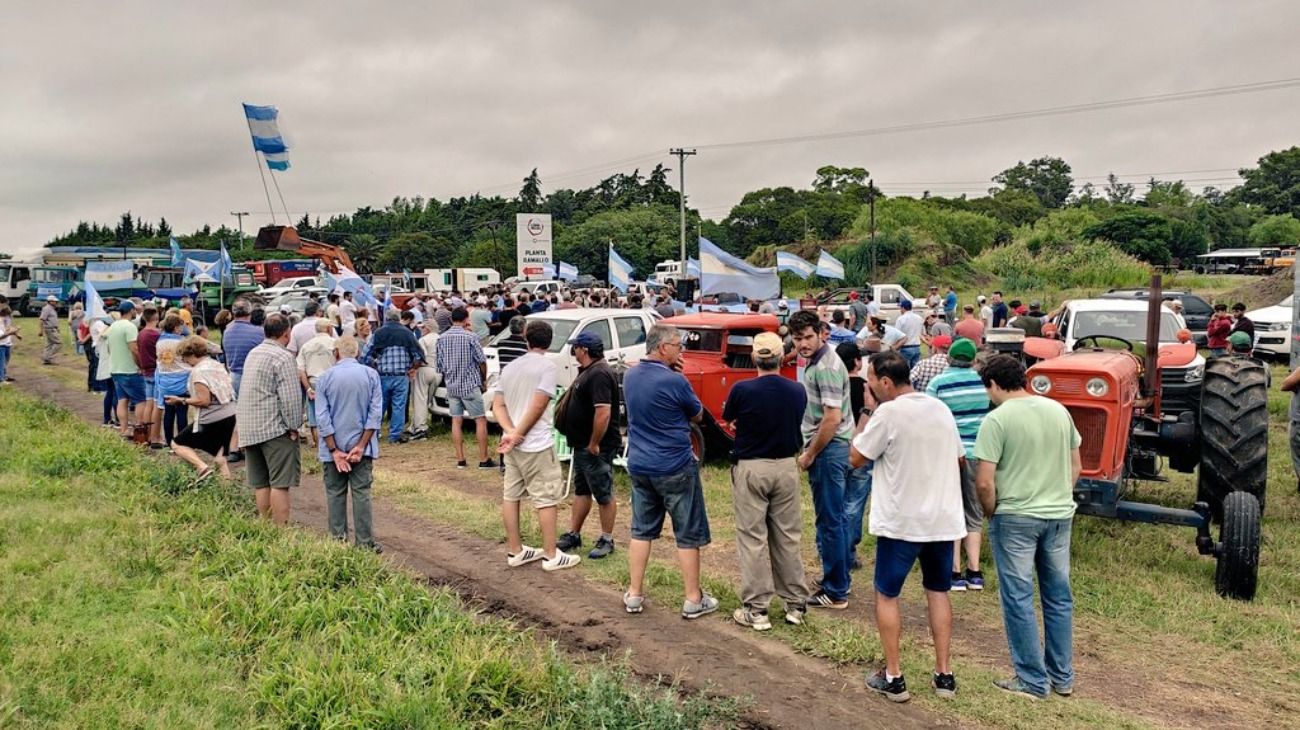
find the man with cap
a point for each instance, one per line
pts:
(912, 326)
(960, 388)
(50, 328)
(124, 365)
(931, 366)
(1240, 343)
(766, 412)
(986, 311)
(932, 300)
(858, 313)
(1031, 321)
(935, 326)
(590, 425)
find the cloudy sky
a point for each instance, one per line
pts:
(135, 106)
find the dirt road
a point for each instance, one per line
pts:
(784, 689)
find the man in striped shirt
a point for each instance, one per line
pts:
(960, 388)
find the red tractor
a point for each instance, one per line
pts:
(1115, 399)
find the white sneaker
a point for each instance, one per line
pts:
(561, 561)
(525, 556)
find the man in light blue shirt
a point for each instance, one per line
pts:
(349, 410)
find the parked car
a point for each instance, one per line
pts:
(1196, 310)
(623, 332)
(548, 286)
(1273, 330)
(295, 299)
(293, 282)
(888, 296)
(1095, 321)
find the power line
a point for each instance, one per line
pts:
(1166, 98)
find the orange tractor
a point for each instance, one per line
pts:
(1115, 399)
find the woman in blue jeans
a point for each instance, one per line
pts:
(7, 336)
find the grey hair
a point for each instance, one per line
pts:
(347, 346)
(241, 308)
(659, 334)
(392, 314)
(324, 325)
(768, 363)
(517, 325)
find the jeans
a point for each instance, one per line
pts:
(337, 487)
(110, 401)
(395, 389)
(911, 353)
(4, 361)
(175, 419)
(855, 505)
(828, 477)
(1023, 546)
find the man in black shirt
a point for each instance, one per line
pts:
(1242, 323)
(591, 428)
(514, 346)
(766, 412)
(1000, 312)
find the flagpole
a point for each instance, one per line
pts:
(288, 218)
(259, 163)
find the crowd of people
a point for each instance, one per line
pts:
(919, 452)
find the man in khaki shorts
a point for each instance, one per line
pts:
(521, 400)
(269, 414)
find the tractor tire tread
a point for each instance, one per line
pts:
(1233, 431)
(1236, 575)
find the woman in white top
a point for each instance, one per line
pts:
(103, 371)
(213, 394)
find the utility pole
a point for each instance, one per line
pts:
(240, 216)
(496, 247)
(871, 202)
(682, 154)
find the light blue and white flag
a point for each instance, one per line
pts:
(349, 281)
(693, 268)
(110, 274)
(721, 272)
(786, 261)
(567, 272)
(264, 126)
(227, 269)
(829, 267)
(620, 271)
(178, 256)
(196, 270)
(94, 303)
(406, 279)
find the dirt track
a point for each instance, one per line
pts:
(785, 689)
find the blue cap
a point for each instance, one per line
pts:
(905, 304)
(126, 306)
(588, 340)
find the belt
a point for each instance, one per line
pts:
(904, 347)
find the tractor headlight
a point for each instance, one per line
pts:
(1194, 374)
(1041, 384)
(1097, 387)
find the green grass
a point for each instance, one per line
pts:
(132, 600)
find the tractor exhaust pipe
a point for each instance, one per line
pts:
(1151, 378)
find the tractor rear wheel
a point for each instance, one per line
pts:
(1233, 431)
(1237, 571)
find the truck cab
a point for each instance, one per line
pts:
(59, 281)
(14, 280)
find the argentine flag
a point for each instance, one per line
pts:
(620, 271)
(227, 266)
(786, 261)
(264, 126)
(721, 272)
(567, 272)
(347, 280)
(829, 267)
(178, 257)
(693, 268)
(94, 303)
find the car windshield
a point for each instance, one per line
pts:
(1131, 326)
(561, 331)
(702, 340)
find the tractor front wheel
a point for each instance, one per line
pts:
(1237, 571)
(1233, 431)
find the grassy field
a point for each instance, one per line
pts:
(132, 600)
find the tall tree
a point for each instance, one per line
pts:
(1118, 193)
(1047, 178)
(530, 195)
(164, 230)
(1275, 184)
(304, 223)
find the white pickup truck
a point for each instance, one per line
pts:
(623, 331)
(888, 296)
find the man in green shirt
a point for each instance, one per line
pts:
(1028, 452)
(124, 365)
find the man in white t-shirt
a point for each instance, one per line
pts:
(306, 329)
(521, 400)
(916, 511)
(425, 382)
(347, 310)
(910, 324)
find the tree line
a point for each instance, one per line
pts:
(1165, 223)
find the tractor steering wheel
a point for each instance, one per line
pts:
(1095, 339)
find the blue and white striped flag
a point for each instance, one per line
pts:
(786, 261)
(567, 272)
(348, 281)
(178, 256)
(721, 272)
(227, 268)
(829, 267)
(263, 125)
(110, 274)
(693, 268)
(94, 302)
(620, 271)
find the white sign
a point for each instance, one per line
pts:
(533, 245)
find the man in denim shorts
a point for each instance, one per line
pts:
(665, 475)
(464, 370)
(916, 512)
